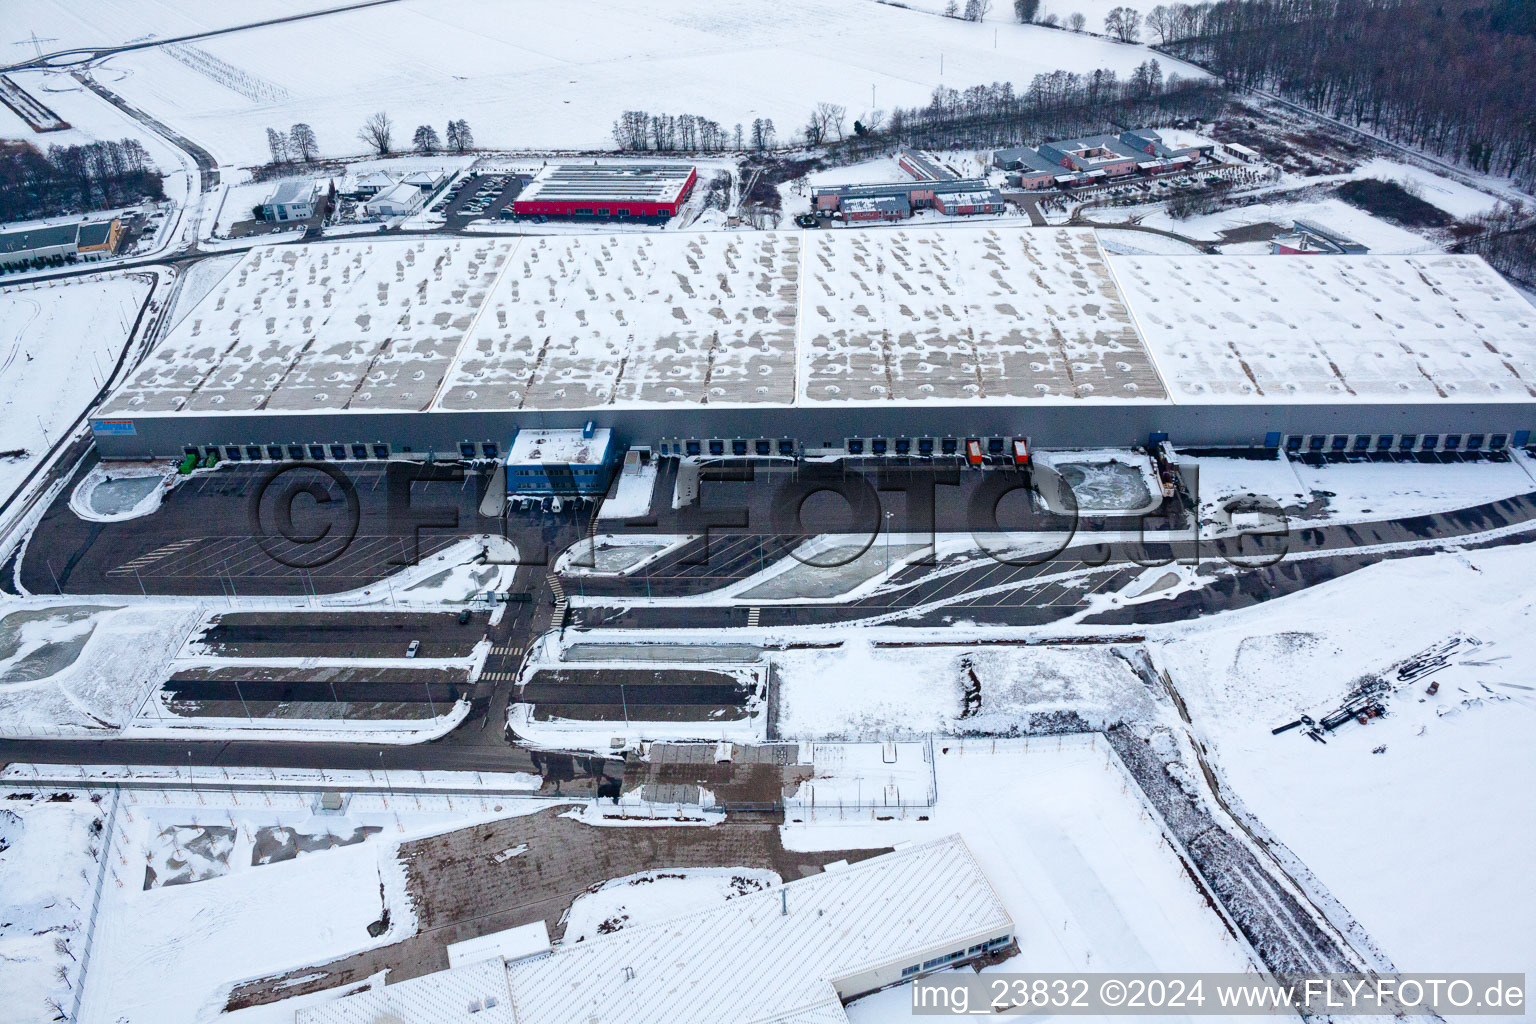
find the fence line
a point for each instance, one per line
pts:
(109, 838)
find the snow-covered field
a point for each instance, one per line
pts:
(58, 345)
(48, 865)
(858, 690)
(1427, 841)
(577, 66)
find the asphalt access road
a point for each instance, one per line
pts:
(221, 533)
(1023, 594)
(854, 495)
(502, 757)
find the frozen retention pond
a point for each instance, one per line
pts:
(114, 497)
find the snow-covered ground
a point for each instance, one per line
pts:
(1456, 199)
(1060, 832)
(81, 670)
(1353, 492)
(1421, 822)
(94, 118)
(172, 952)
(1336, 214)
(49, 852)
(858, 690)
(633, 496)
(58, 346)
(583, 63)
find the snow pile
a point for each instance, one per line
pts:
(48, 867)
(633, 496)
(858, 690)
(651, 896)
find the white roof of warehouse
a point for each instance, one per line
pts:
(756, 964)
(954, 314)
(442, 998)
(1332, 328)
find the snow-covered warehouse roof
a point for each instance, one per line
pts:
(1332, 328)
(475, 994)
(944, 314)
(748, 960)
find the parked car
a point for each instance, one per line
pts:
(410, 652)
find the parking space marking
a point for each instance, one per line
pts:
(164, 551)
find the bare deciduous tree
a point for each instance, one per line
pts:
(376, 131)
(1123, 23)
(301, 137)
(1076, 21)
(277, 142)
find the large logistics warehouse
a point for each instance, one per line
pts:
(895, 341)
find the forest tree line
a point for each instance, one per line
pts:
(1451, 77)
(1061, 104)
(94, 176)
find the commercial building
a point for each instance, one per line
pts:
(898, 200)
(399, 200)
(1103, 153)
(559, 461)
(370, 183)
(98, 239)
(923, 167)
(291, 200)
(607, 191)
(1034, 170)
(1071, 162)
(94, 240)
(888, 341)
(794, 953)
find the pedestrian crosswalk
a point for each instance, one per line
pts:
(557, 620)
(507, 649)
(499, 677)
(754, 616)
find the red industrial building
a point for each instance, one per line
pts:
(607, 191)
